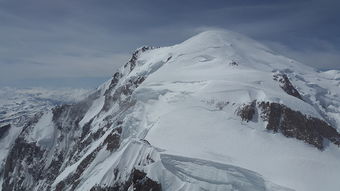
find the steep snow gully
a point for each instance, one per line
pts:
(217, 112)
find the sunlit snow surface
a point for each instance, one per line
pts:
(186, 110)
(186, 121)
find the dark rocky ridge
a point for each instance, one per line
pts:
(290, 123)
(138, 181)
(295, 124)
(127, 88)
(22, 151)
(28, 160)
(4, 129)
(286, 85)
(247, 111)
(132, 62)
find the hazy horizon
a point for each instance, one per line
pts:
(81, 43)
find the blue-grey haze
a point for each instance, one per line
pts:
(81, 42)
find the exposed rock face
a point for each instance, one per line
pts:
(247, 111)
(132, 62)
(137, 181)
(23, 152)
(72, 181)
(141, 182)
(130, 65)
(112, 141)
(233, 63)
(128, 87)
(4, 129)
(286, 85)
(290, 123)
(29, 160)
(297, 125)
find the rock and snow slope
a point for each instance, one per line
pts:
(216, 112)
(18, 105)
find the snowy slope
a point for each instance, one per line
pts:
(18, 105)
(216, 112)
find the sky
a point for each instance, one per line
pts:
(80, 43)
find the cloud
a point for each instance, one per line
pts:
(319, 54)
(66, 39)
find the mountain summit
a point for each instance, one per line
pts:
(217, 112)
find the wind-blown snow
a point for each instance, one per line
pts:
(95, 108)
(43, 133)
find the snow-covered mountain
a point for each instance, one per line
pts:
(216, 112)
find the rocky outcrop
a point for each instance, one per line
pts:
(4, 129)
(73, 180)
(21, 154)
(233, 63)
(141, 182)
(294, 124)
(128, 87)
(286, 85)
(132, 62)
(138, 181)
(247, 111)
(290, 123)
(112, 141)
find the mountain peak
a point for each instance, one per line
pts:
(223, 38)
(217, 112)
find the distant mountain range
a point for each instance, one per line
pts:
(19, 105)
